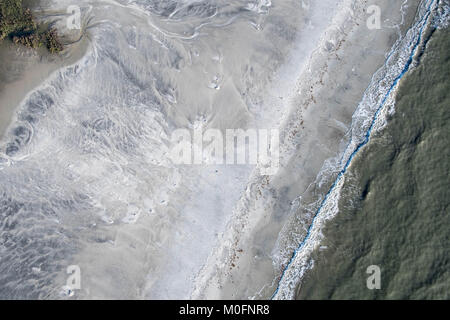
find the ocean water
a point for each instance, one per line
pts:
(394, 211)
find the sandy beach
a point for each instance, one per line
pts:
(96, 167)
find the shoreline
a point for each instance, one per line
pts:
(145, 227)
(381, 171)
(285, 288)
(214, 281)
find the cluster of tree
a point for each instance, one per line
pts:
(17, 24)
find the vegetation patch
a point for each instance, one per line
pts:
(18, 25)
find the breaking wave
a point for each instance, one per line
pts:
(369, 117)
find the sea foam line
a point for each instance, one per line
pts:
(286, 285)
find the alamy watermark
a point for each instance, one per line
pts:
(73, 282)
(374, 20)
(374, 280)
(74, 20)
(259, 147)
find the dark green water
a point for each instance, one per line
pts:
(395, 209)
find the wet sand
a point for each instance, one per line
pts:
(22, 70)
